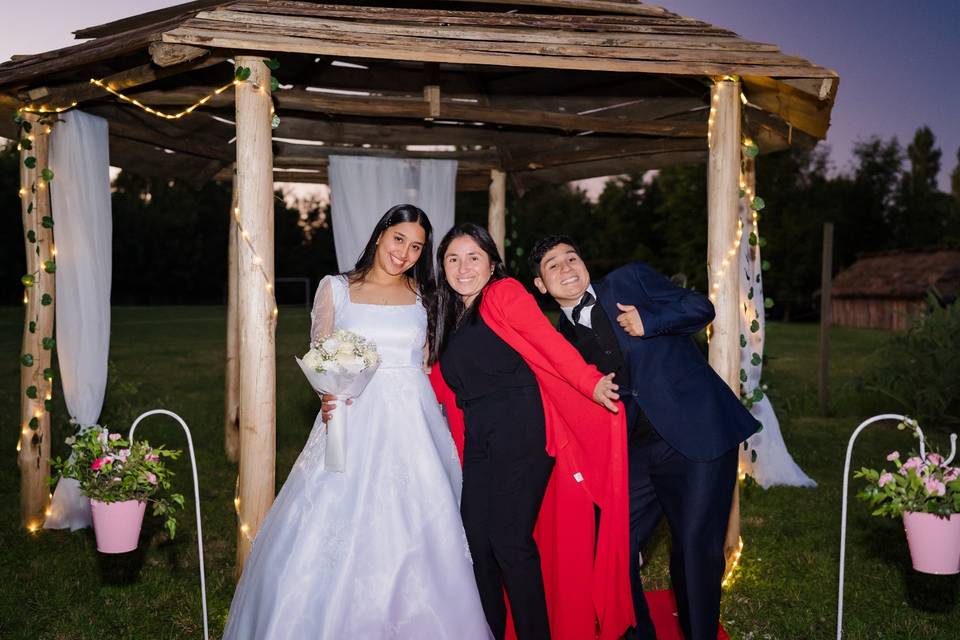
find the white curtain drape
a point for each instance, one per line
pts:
(363, 188)
(765, 457)
(80, 195)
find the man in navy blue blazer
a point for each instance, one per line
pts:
(685, 424)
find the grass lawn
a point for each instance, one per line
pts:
(55, 585)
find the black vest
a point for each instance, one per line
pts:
(598, 345)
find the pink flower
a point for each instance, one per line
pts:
(952, 474)
(99, 462)
(934, 487)
(151, 478)
(935, 458)
(893, 455)
(886, 478)
(912, 463)
(114, 436)
(123, 454)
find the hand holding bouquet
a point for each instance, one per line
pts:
(340, 364)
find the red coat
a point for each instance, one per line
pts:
(588, 595)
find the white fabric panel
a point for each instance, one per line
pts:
(80, 194)
(363, 188)
(774, 464)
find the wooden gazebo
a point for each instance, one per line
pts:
(525, 91)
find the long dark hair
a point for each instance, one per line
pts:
(449, 310)
(420, 277)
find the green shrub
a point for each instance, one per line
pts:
(919, 369)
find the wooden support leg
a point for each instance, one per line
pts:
(33, 447)
(496, 216)
(256, 309)
(723, 183)
(231, 392)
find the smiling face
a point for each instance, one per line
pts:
(563, 275)
(467, 268)
(399, 247)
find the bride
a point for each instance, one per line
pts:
(377, 551)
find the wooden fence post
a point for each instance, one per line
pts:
(826, 281)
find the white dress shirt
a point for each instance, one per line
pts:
(585, 314)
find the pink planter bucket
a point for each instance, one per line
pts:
(117, 524)
(934, 542)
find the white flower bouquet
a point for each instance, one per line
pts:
(340, 364)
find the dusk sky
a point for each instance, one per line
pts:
(897, 60)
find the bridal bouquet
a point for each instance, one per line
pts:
(340, 364)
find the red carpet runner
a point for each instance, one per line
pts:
(663, 610)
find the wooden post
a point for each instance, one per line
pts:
(826, 281)
(723, 186)
(35, 388)
(256, 309)
(231, 392)
(496, 214)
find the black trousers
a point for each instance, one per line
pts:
(695, 497)
(505, 473)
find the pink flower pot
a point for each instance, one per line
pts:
(934, 542)
(117, 524)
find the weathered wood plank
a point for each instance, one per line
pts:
(616, 166)
(652, 39)
(168, 55)
(76, 56)
(802, 110)
(149, 130)
(144, 20)
(579, 20)
(605, 6)
(444, 52)
(81, 92)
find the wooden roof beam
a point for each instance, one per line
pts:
(569, 21)
(80, 92)
(498, 112)
(450, 51)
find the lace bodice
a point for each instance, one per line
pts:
(399, 331)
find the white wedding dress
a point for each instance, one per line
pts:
(377, 551)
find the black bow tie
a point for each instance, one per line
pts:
(585, 302)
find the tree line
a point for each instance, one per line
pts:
(170, 239)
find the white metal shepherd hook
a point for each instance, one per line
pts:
(196, 499)
(846, 480)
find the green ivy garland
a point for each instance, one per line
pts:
(28, 280)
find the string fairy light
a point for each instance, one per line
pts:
(717, 277)
(268, 285)
(728, 578)
(257, 260)
(244, 527)
(160, 114)
(146, 108)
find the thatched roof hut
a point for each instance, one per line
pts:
(887, 290)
